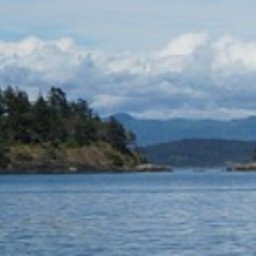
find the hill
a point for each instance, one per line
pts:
(200, 152)
(149, 132)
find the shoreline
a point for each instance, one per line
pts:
(86, 170)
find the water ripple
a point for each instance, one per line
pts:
(180, 214)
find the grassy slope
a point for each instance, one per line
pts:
(46, 158)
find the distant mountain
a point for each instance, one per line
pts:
(200, 152)
(151, 132)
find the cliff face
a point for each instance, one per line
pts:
(62, 159)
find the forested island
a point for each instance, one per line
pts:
(52, 134)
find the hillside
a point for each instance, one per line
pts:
(35, 158)
(200, 152)
(149, 132)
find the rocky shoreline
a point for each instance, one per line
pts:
(245, 167)
(85, 169)
(40, 158)
(96, 158)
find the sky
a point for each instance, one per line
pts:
(153, 59)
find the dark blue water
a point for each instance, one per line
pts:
(179, 213)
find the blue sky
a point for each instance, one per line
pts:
(151, 58)
(126, 24)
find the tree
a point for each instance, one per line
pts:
(117, 135)
(56, 120)
(58, 111)
(58, 102)
(41, 113)
(81, 109)
(18, 111)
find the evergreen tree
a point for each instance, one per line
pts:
(18, 111)
(41, 113)
(117, 135)
(56, 120)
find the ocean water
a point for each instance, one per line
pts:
(179, 213)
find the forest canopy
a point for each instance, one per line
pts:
(55, 119)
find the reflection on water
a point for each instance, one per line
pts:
(179, 213)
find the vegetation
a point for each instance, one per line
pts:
(52, 124)
(201, 152)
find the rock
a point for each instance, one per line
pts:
(72, 169)
(149, 167)
(245, 167)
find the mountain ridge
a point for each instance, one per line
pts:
(150, 132)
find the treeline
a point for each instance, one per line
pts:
(56, 120)
(201, 152)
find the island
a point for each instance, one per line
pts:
(51, 134)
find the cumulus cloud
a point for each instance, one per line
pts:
(194, 76)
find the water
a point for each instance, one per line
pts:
(179, 213)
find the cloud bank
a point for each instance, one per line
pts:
(194, 76)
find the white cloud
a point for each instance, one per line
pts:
(194, 76)
(184, 45)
